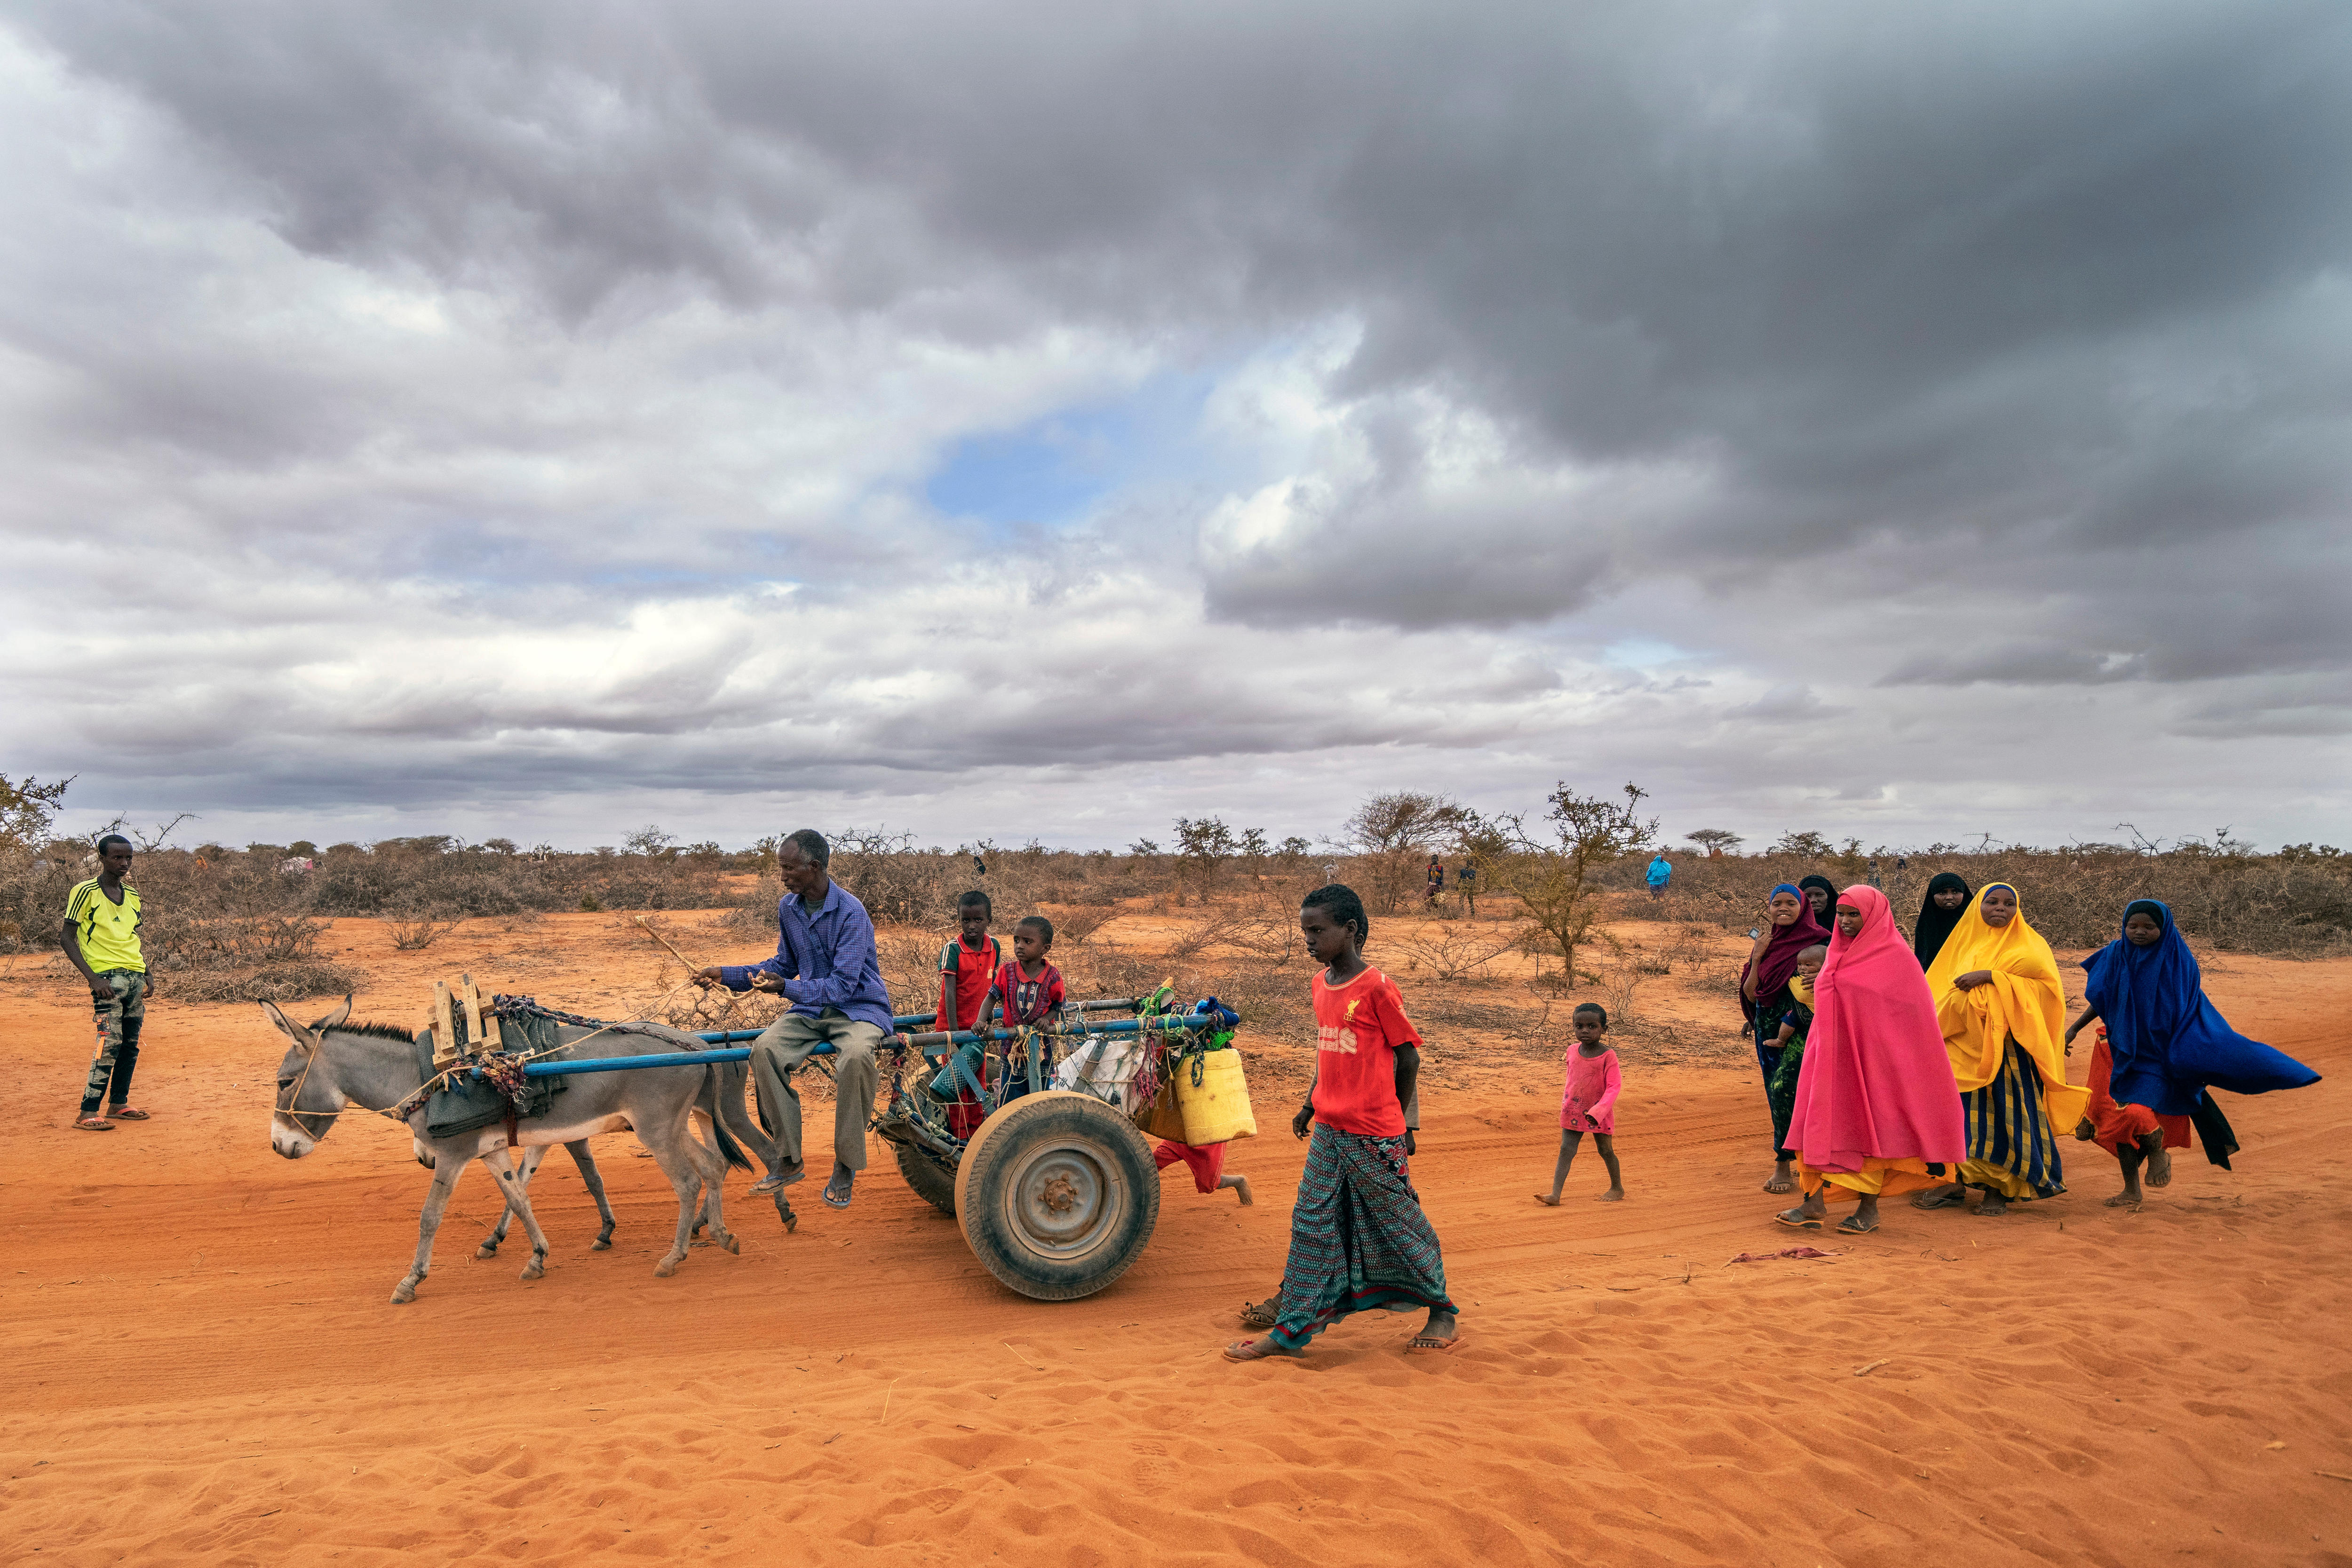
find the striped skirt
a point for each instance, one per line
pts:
(2011, 1149)
(1358, 1237)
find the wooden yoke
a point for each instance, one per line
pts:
(481, 1033)
(444, 1026)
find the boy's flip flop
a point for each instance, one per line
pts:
(1797, 1219)
(838, 1203)
(124, 1113)
(95, 1124)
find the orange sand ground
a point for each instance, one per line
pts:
(202, 1365)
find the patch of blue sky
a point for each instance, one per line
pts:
(1643, 652)
(1059, 471)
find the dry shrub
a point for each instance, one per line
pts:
(1455, 953)
(281, 982)
(414, 933)
(1073, 924)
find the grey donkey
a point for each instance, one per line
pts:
(334, 1065)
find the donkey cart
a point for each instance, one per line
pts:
(1041, 1162)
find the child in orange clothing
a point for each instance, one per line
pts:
(1589, 1103)
(2134, 1134)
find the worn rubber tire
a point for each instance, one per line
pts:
(1063, 1147)
(934, 1182)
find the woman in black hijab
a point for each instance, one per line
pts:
(1940, 909)
(1820, 896)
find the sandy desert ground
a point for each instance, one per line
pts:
(202, 1365)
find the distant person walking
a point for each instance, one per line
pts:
(101, 940)
(1661, 871)
(825, 965)
(1465, 883)
(1435, 883)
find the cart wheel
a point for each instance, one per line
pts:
(1057, 1194)
(933, 1179)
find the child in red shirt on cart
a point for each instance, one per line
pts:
(1027, 990)
(967, 968)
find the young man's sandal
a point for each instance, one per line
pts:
(125, 1113)
(95, 1124)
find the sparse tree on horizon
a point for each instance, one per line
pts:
(1553, 874)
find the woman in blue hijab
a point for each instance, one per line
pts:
(2168, 1042)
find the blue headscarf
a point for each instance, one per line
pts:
(2168, 1041)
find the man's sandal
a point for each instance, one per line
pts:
(1852, 1225)
(125, 1113)
(95, 1124)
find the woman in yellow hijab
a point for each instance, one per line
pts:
(2004, 1012)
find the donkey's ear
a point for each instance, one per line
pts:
(335, 1018)
(295, 1032)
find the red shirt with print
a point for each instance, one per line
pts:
(1023, 1000)
(975, 973)
(1357, 1029)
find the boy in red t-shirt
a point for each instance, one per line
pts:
(968, 966)
(1358, 1240)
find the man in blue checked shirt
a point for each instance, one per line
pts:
(825, 966)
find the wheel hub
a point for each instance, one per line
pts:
(1064, 1199)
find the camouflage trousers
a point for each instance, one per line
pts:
(120, 1015)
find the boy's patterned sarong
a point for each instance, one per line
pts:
(1358, 1237)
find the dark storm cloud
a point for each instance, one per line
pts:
(1884, 359)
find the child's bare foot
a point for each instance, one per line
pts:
(2084, 1131)
(1241, 1185)
(1783, 1180)
(1549, 1201)
(2159, 1159)
(1614, 1195)
(2129, 1198)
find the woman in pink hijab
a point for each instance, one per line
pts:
(1876, 1100)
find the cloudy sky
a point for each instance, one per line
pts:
(1906, 422)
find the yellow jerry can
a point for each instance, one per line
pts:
(1213, 1098)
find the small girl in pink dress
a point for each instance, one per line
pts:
(1588, 1103)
